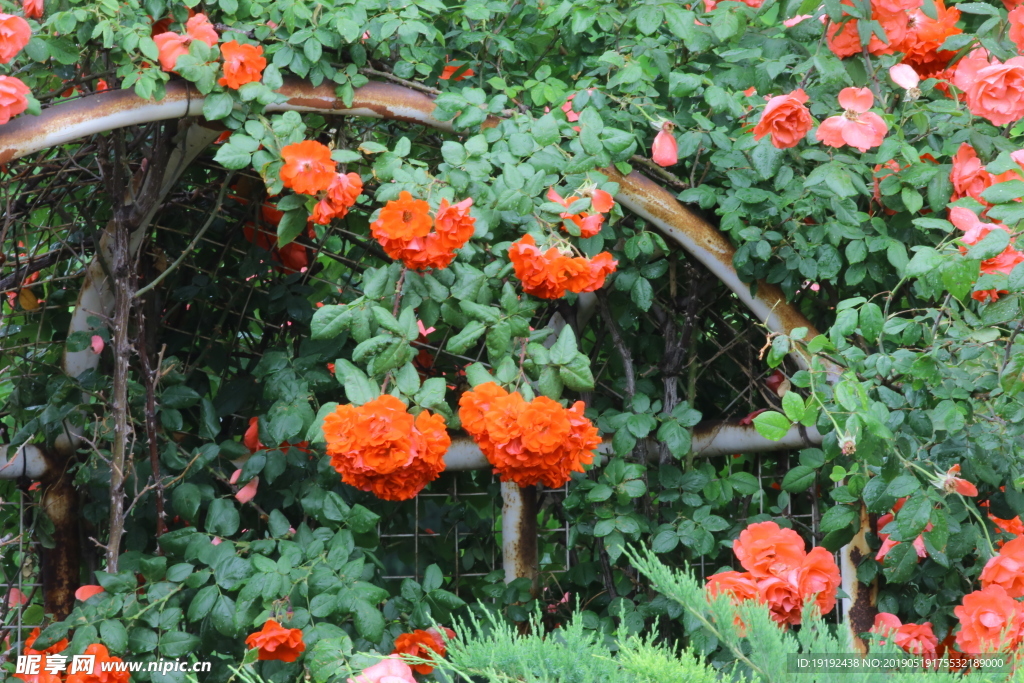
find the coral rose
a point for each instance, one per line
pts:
(1016, 19)
(101, 671)
(450, 70)
(308, 167)
(665, 149)
(14, 35)
(995, 90)
(276, 642)
(33, 8)
(420, 644)
(403, 229)
(969, 176)
(916, 639)
(990, 621)
(819, 575)
(242, 64)
(924, 38)
(1006, 569)
(389, 670)
(784, 599)
(857, 126)
(13, 98)
(764, 549)
(547, 275)
(739, 586)
(786, 119)
(171, 46)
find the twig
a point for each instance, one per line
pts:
(192, 245)
(367, 71)
(619, 343)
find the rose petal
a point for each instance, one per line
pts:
(86, 592)
(97, 344)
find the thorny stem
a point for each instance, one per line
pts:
(394, 312)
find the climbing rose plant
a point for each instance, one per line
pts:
(865, 157)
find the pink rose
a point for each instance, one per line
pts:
(857, 126)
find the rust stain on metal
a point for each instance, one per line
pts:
(60, 565)
(526, 549)
(861, 616)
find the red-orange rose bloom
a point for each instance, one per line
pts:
(14, 35)
(277, 642)
(764, 549)
(786, 119)
(13, 98)
(528, 442)
(990, 621)
(1006, 569)
(407, 232)
(308, 167)
(420, 644)
(99, 674)
(381, 448)
(242, 64)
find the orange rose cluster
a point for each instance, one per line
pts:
(243, 63)
(528, 442)
(780, 572)
(379, 447)
(408, 234)
(309, 169)
(549, 274)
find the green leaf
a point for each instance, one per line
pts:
(793, 406)
(1006, 191)
(203, 603)
(291, 226)
(924, 262)
(232, 157)
(545, 130)
(900, 563)
(913, 517)
(838, 517)
(772, 425)
(114, 636)
(990, 246)
(368, 620)
(564, 350)
(798, 479)
(222, 518)
(186, 498)
(358, 388)
(870, 322)
(461, 342)
(577, 374)
(329, 658)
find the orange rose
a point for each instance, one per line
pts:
(12, 98)
(379, 447)
(786, 119)
(994, 89)
(420, 644)
(308, 167)
(14, 35)
(276, 642)
(739, 586)
(819, 575)
(544, 425)
(518, 437)
(990, 621)
(242, 64)
(33, 8)
(547, 275)
(99, 673)
(1006, 569)
(764, 549)
(784, 599)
